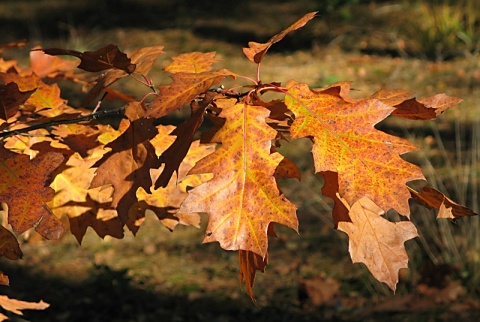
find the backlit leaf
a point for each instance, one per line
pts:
(377, 242)
(367, 160)
(242, 199)
(194, 62)
(24, 188)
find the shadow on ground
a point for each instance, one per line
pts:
(108, 295)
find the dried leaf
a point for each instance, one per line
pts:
(9, 246)
(10, 99)
(256, 51)
(193, 62)
(185, 88)
(434, 199)
(16, 306)
(24, 187)
(242, 199)
(104, 58)
(344, 139)
(377, 242)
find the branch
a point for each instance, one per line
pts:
(86, 118)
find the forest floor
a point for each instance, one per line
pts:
(170, 276)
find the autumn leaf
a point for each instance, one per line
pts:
(434, 199)
(425, 109)
(4, 280)
(44, 65)
(330, 189)
(9, 246)
(143, 58)
(377, 242)
(256, 51)
(242, 199)
(185, 88)
(127, 165)
(10, 99)
(344, 139)
(46, 100)
(173, 156)
(24, 188)
(249, 263)
(16, 306)
(104, 58)
(194, 62)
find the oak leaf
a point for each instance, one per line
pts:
(377, 242)
(426, 108)
(9, 246)
(256, 51)
(16, 306)
(11, 97)
(104, 58)
(434, 199)
(44, 65)
(127, 165)
(185, 88)
(367, 160)
(249, 264)
(24, 188)
(143, 58)
(193, 62)
(243, 198)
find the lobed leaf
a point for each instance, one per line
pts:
(24, 188)
(344, 138)
(185, 88)
(243, 198)
(194, 62)
(377, 242)
(11, 97)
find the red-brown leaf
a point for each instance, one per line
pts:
(24, 187)
(10, 99)
(104, 58)
(256, 51)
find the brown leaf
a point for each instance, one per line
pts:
(256, 51)
(377, 242)
(173, 156)
(185, 88)
(127, 165)
(4, 281)
(24, 187)
(9, 246)
(249, 263)
(10, 99)
(330, 189)
(425, 109)
(104, 58)
(434, 199)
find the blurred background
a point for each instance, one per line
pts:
(426, 47)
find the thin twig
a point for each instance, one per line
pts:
(86, 118)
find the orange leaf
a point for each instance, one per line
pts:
(194, 62)
(330, 189)
(44, 65)
(377, 242)
(434, 199)
(256, 51)
(367, 160)
(9, 246)
(185, 88)
(16, 306)
(24, 188)
(242, 199)
(4, 281)
(47, 100)
(104, 58)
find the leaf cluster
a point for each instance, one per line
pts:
(61, 169)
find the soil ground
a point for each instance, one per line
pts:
(164, 276)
